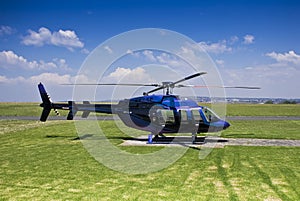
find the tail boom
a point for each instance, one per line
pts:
(86, 107)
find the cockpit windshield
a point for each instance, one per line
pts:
(210, 115)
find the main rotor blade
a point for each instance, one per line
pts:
(240, 87)
(172, 84)
(226, 87)
(163, 86)
(114, 84)
(188, 77)
(153, 90)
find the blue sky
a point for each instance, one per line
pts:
(252, 43)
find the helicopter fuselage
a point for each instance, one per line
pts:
(157, 114)
(168, 114)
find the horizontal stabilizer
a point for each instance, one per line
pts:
(72, 110)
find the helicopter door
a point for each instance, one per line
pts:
(196, 116)
(183, 115)
(197, 121)
(189, 120)
(166, 116)
(188, 116)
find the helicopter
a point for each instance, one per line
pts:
(157, 114)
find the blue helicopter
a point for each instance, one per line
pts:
(157, 114)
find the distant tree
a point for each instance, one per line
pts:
(288, 102)
(269, 102)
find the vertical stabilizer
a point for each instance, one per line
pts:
(46, 104)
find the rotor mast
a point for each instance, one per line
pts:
(168, 89)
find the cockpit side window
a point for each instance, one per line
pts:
(183, 114)
(166, 116)
(209, 115)
(196, 115)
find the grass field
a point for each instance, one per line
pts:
(28, 109)
(20, 109)
(33, 109)
(266, 129)
(46, 161)
(263, 110)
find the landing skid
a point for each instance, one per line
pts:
(162, 139)
(194, 138)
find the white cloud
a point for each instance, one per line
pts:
(289, 57)
(85, 51)
(226, 45)
(108, 49)
(66, 38)
(170, 60)
(126, 75)
(149, 55)
(135, 54)
(46, 78)
(6, 30)
(248, 39)
(233, 40)
(8, 59)
(38, 38)
(220, 62)
(6, 80)
(25, 88)
(158, 57)
(63, 38)
(274, 82)
(219, 47)
(129, 51)
(51, 78)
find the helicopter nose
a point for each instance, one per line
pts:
(226, 125)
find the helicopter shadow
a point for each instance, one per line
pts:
(185, 141)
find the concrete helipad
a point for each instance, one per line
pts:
(210, 141)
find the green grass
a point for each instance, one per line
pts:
(29, 109)
(47, 163)
(238, 109)
(33, 109)
(25, 109)
(7, 126)
(267, 129)
(263, 110)
(44, 161)
(20, 109)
